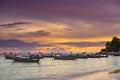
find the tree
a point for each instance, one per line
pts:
(113, 46)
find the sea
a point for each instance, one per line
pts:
(50, 69)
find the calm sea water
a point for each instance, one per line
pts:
(50, 69)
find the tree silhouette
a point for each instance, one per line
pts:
(113, 46)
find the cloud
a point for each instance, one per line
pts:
(13, 43)
(83, 44)
(58, 11)
(89, 10)
(85, 30)
(68, 29)
(19, 29)
(40, 33)
(86, 18)
(14, 24)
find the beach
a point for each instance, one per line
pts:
(104, 75)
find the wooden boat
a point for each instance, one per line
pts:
(117, 54)
(49, 55)
(95, 56)
(25, 59)
(103, 56)
(64, 58)
(8, 57)
(81, 56)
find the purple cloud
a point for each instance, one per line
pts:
(19, 29)
(40, 33)
(14, 24)
(89, 10)
(16, 43)
(13, 43)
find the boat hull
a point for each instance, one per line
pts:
(25, 60)
(8, 57)
(68, 58)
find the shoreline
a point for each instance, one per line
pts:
(101, 75)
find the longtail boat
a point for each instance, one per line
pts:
(25, 59)
(64, 58)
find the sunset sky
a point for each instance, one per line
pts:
(58, 25)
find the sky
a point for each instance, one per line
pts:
(58, 25)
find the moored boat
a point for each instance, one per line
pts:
(25, 59)
(65, 58)
(9, 56)
(81, 56)
(93, 56)
(103, 55)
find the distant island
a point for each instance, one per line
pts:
(113, 45)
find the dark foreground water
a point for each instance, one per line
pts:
(49, 69)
